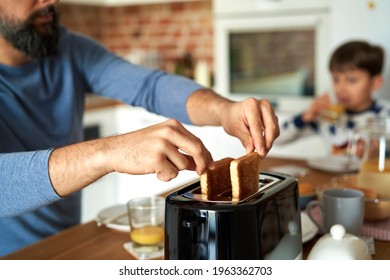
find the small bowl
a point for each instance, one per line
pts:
(376, 210)
(376, 196)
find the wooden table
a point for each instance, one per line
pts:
(89, 242)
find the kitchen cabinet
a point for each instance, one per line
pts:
(120, 2)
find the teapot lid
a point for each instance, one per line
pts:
(337, 232)
(339, 245)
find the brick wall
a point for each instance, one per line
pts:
(171, 29)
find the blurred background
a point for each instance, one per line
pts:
(271, 49)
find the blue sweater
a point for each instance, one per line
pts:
(41, 107)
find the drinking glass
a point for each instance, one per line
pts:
(333, 112)
(146, 218)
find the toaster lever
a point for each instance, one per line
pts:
(195, 222)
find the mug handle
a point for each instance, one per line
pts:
(312, 204)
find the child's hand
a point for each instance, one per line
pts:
(319, 104)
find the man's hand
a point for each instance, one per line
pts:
(252, 121)
(164, 149)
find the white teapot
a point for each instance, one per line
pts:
(339, 245)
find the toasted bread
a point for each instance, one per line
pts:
(244, 175)
(215, 182)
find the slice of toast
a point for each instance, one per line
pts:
(215, 182)
(244, 175)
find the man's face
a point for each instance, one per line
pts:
(30, 26)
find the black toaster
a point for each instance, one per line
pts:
(265, 225)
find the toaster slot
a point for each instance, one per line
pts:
(265, 181)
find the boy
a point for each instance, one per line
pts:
(356, 69)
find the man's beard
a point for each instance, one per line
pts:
(24, 37)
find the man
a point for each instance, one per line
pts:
(45, 72)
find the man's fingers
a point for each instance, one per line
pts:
(185, 141)
(262, 125)
(270, 124)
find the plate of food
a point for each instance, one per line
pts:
(336, 164)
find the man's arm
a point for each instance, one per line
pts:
(164, 149)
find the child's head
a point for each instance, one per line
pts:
(356, 68)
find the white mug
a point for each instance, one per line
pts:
(339, 206)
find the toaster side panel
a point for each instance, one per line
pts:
(186, 234)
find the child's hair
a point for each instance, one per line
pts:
(357, 55)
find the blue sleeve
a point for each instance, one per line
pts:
(111, 76)
(24, 182)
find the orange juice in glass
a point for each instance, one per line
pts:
(333, 112)
(375, 173)
(374, 166)
(375, 163)
(148, 235)
(146, 218)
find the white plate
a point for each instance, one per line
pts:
(309, 229)
(114, 217)
(337, 164)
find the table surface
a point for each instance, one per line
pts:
(90, 242)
